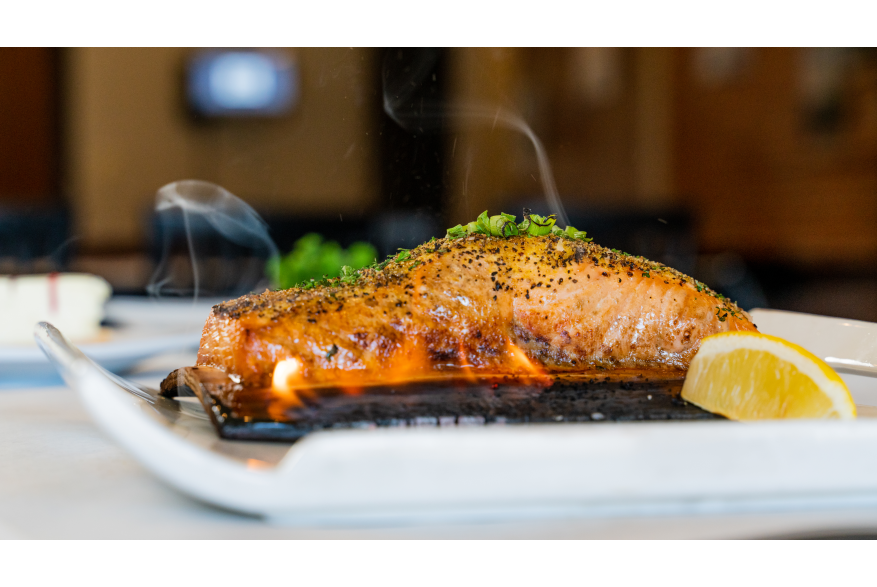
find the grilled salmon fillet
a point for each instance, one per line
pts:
(479, 304)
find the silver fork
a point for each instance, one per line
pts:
(68, 360)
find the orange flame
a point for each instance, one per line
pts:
(288, 374)
(409, 363)
(521, 364)
(465, 366)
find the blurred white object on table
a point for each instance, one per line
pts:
(137, 328)
(73, 302)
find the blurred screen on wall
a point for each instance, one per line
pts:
(242, 83)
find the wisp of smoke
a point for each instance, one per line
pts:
(202, 204)
(414, 115)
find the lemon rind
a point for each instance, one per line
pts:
(812, 366)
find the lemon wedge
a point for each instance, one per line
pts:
(754, 376)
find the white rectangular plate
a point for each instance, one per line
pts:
(499, 472)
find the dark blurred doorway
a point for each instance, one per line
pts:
(34, 224)
(412, 155)
(412, 142)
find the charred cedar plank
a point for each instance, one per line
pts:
(247, 413)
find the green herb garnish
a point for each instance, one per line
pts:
(482, 224)
(349, 274)
(535, 225)
(456, 232)
(504, 225)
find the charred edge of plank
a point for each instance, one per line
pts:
(601, 398)
(195, 381)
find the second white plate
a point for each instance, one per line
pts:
(121, 350)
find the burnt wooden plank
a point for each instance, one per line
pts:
(245, 413)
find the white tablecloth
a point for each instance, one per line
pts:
(60, 477)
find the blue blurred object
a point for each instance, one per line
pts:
(242, 83)
(34, 239)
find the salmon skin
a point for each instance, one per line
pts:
(475, 305)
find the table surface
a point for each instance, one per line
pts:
(63, 478)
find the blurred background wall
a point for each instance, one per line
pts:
(29, 126)
(773, 151)
(128, 132)
(754, 169)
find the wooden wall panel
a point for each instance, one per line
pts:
(762, 182)
(29, 138)
(128, 134)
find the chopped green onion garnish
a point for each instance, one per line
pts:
(504, 225)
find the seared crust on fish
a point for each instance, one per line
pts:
(473, 305)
